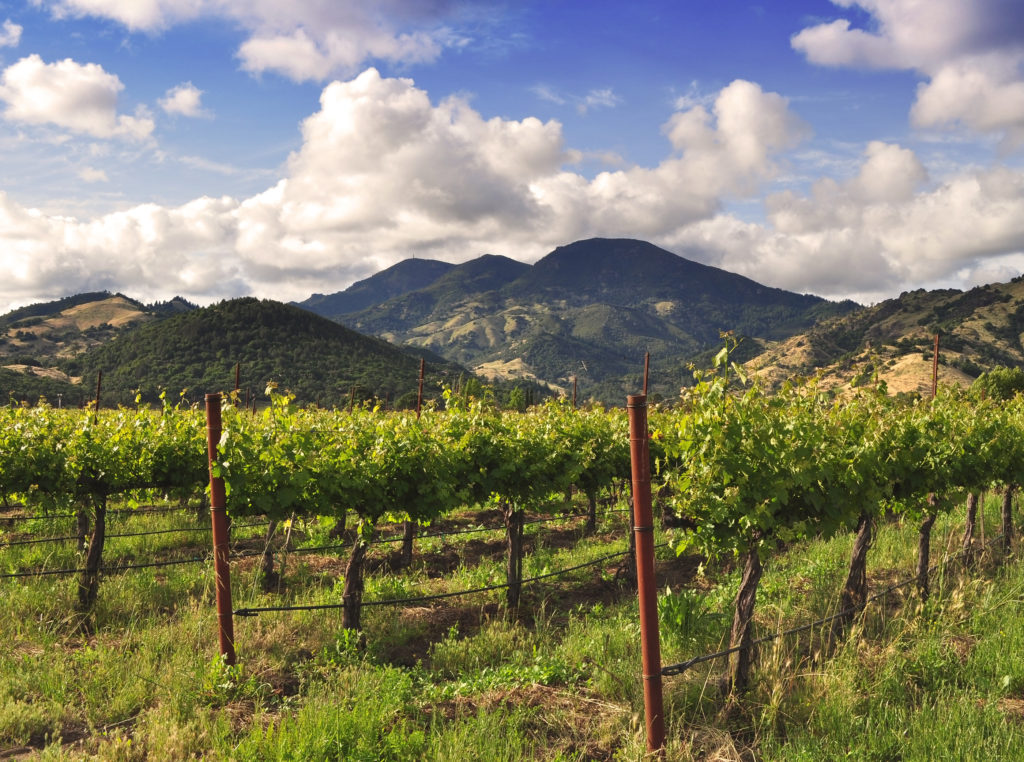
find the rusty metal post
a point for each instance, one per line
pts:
(935, 368)
(99, 386)
(219, 517)
(647, 591)
(419, 394)
(647, 370)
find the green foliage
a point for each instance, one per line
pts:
(687, 619)
(1000, 383)
(319, 361)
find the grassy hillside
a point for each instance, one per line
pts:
(65, 328)
(38, 342)
(978, 329)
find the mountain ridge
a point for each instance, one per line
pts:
(588, 309)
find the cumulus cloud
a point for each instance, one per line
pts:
(384, 173)
(10, 34)
(184, 99)
(47, 256)
(972, 54)
(81, 98)
(877, 233)
(304, 39)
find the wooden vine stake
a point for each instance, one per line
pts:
(924, 533)
(643, 529)
(218, 514)
(647, 370)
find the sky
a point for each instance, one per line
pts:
(219, 148)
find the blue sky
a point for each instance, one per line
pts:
(214, 148)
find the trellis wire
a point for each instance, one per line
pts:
(681, 667)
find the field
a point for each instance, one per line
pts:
(463, 678)
(513, 630)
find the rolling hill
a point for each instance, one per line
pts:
(978, 330)
(318, 360)
(67, 327)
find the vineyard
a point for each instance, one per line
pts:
(412, 586)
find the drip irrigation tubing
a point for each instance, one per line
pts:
(678, 669)
(65, 538)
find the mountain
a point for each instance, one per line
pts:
(894, 340)
(408, 275)
(316, 359)
(588, 310)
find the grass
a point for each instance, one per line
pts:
(464, 679)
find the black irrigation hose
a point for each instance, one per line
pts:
(678, 669)
(124, 534)
(422, 599)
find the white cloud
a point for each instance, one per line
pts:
(384, 173)
(546, 93)
(604, 98)
(985, 94)
(971, 52)
(10, 34)
(93, 175)
(694, 96)
(81, 98)
(596, 98)
(875, 234)
(301, 39)
(184, 99)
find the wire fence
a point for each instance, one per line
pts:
(74, 514)
(66, 538)
(681, 667)
(115, 568)
(254, 611)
